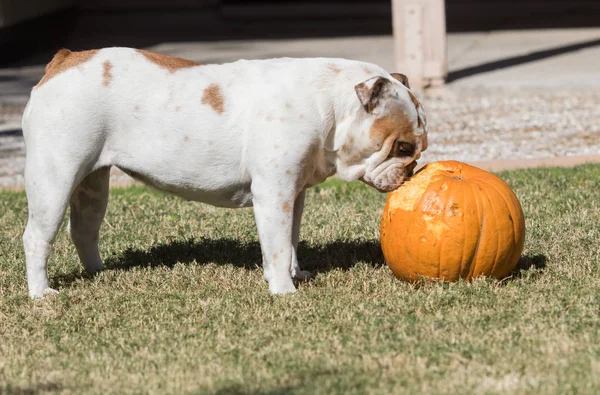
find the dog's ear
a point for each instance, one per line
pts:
(373, 93)
(402, 78)
(420, 113)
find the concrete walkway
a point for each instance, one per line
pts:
(511, 95)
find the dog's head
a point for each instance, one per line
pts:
(387, 135)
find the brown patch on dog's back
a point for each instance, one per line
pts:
(334, 68)
(213, 97)
(107, 76)
(171, 63)
(286, 207)
(63, 60)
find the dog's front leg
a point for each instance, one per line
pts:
(298, 208)
(274, 213)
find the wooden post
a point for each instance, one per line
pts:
(420, 41)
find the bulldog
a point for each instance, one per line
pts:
(247, 133)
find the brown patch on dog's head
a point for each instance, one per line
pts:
(378, 98)
(63, 60)
(171, 63)
(333, 67)
(397, 124)
(213, 97)
(107, 76)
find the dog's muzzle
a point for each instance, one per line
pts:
(391, 177)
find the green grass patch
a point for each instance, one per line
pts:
(182, 307)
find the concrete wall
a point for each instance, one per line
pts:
(15, 11)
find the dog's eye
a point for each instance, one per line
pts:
(402, 148)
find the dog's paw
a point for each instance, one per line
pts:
(94, 268)
(39, 295)
(282, 287)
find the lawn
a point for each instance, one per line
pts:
(182, 307)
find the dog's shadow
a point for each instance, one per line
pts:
(341, 255)
(315, 258)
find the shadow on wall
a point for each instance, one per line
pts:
(518, 60)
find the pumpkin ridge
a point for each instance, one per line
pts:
(509, 209)
(508, 206)
(441, 245)
(419, 206)
(481, 219)
(464, 239)
(475, 250)
(494, 216)
(450, 191)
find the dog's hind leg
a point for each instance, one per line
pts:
(88, 206)
(48, 188)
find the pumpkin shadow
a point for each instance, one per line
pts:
(247, 255)
(527, 263)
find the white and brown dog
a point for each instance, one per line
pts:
(249, 133)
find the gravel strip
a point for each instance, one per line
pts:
(469, 125)
(484, 126)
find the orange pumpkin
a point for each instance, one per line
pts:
(450, 221)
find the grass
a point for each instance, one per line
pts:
(183, 307)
